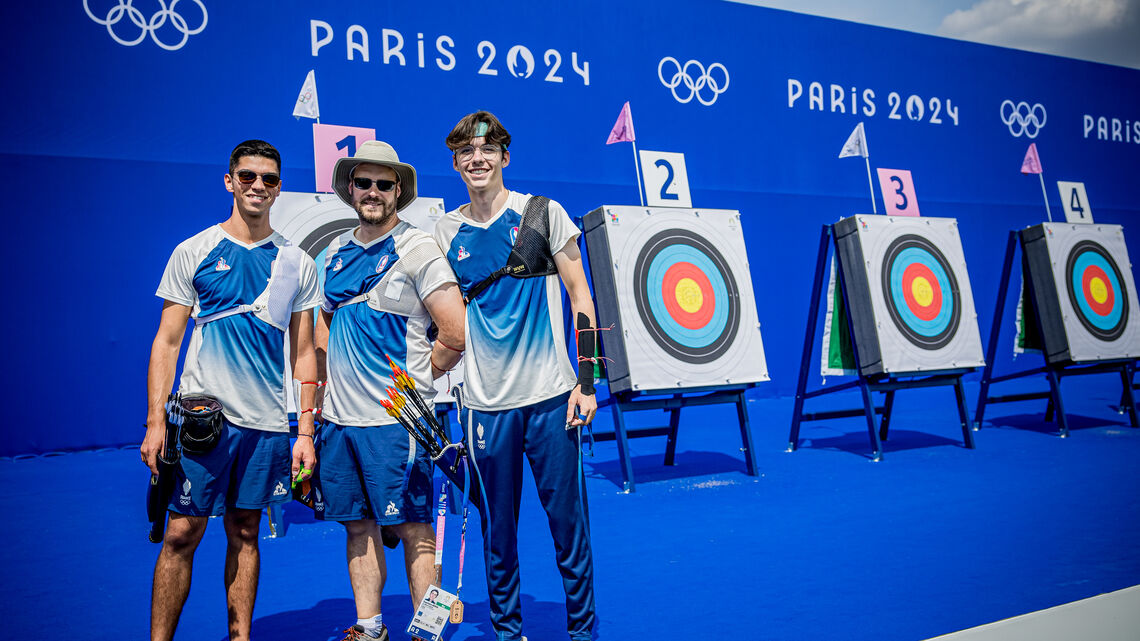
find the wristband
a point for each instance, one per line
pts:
(299, 435)
(317, 383)
(440, 341)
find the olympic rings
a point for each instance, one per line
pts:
(1023, 119)
(704, 79)
(125, 7)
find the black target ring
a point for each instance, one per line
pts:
(709, 331)
(926, 323)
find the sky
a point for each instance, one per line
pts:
(1105, 31)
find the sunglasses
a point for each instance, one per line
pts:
(248, 177)
(364, 184)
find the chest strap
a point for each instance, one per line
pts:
(530, 254)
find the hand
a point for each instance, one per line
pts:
(152, 446)
(580, 404)
(304, 459)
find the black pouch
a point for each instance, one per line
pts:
(202, 423)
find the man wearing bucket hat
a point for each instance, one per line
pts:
(512, 253)
(386, 283)
(247, 289)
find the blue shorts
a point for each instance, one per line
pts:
(375, 472)
(248, 469)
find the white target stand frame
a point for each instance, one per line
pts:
(870, 377)
(1064, 357)
(631, 386)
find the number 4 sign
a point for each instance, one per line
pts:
(331, 143)
(666, 181)
(898, 192)
(1075, 201)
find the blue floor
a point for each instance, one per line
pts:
(824, 544)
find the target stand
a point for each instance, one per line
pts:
(908, 313)
(674, 292)
(1081, 302)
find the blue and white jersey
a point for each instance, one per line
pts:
(375, 293)
(240, 358)
(516, 342)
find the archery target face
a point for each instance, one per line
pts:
(920, 294)
(684, 298)
(1095, 289)
(311, 221)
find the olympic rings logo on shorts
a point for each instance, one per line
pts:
(126, 8)
(1023, 119)
(684, 76)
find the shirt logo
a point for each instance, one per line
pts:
(280, 489)
(391, 510)
(463, 254)
(221, 266)
(338, 265)
(382, 264)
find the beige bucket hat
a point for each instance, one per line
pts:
(375, 152)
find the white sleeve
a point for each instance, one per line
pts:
(309, 295)
(435, 273)
(562, 229)
(177, 284)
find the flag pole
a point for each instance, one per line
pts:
(637, 168)
(871, 185)
(1045, 195)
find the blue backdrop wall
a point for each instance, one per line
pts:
(114, 152)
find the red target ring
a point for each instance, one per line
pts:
(688, 295)
(921, 291)
(1093, 289)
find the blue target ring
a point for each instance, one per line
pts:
(1090, 262)
(704, 333)
(929, 321)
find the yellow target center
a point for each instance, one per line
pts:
(1099, 290)
(689, 296)
(922, 291)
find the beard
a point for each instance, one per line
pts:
(375, 211)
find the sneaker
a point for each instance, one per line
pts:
(357, 633)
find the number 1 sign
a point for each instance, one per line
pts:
(331, 143)
(898, 192)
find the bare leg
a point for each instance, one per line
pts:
(366, 568)
(243, 563)
(419, 556)
(172, 574)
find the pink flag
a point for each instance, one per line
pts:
(1032, 163)
(623, 128)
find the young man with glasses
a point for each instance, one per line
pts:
(386, 283)
(521, 392)
(247, 289)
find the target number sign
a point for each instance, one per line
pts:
(898, 192)
(666, 180)
(1096, 290)
(1075, 201)
(331, 143)
(921, 292)
(686, 296)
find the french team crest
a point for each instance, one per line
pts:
(382, 264)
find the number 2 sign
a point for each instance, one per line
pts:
(666, 181)
(1075, 201)
(331, 143)
(898, 192)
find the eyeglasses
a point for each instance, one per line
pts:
(248, 177)
(364, 184)
(467, 152)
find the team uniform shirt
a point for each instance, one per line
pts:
(375, 293)
(241, 358)
(516, 342)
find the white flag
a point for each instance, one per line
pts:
(856, 144)
(307, 106)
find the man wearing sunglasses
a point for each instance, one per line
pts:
(247, 289)
(386, 283)
(520, 388)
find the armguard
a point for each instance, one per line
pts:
(587, 338)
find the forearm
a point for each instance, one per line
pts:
(159, 381)
(446, 352)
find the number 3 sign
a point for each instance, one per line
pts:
(898, 192)
(666, 181)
